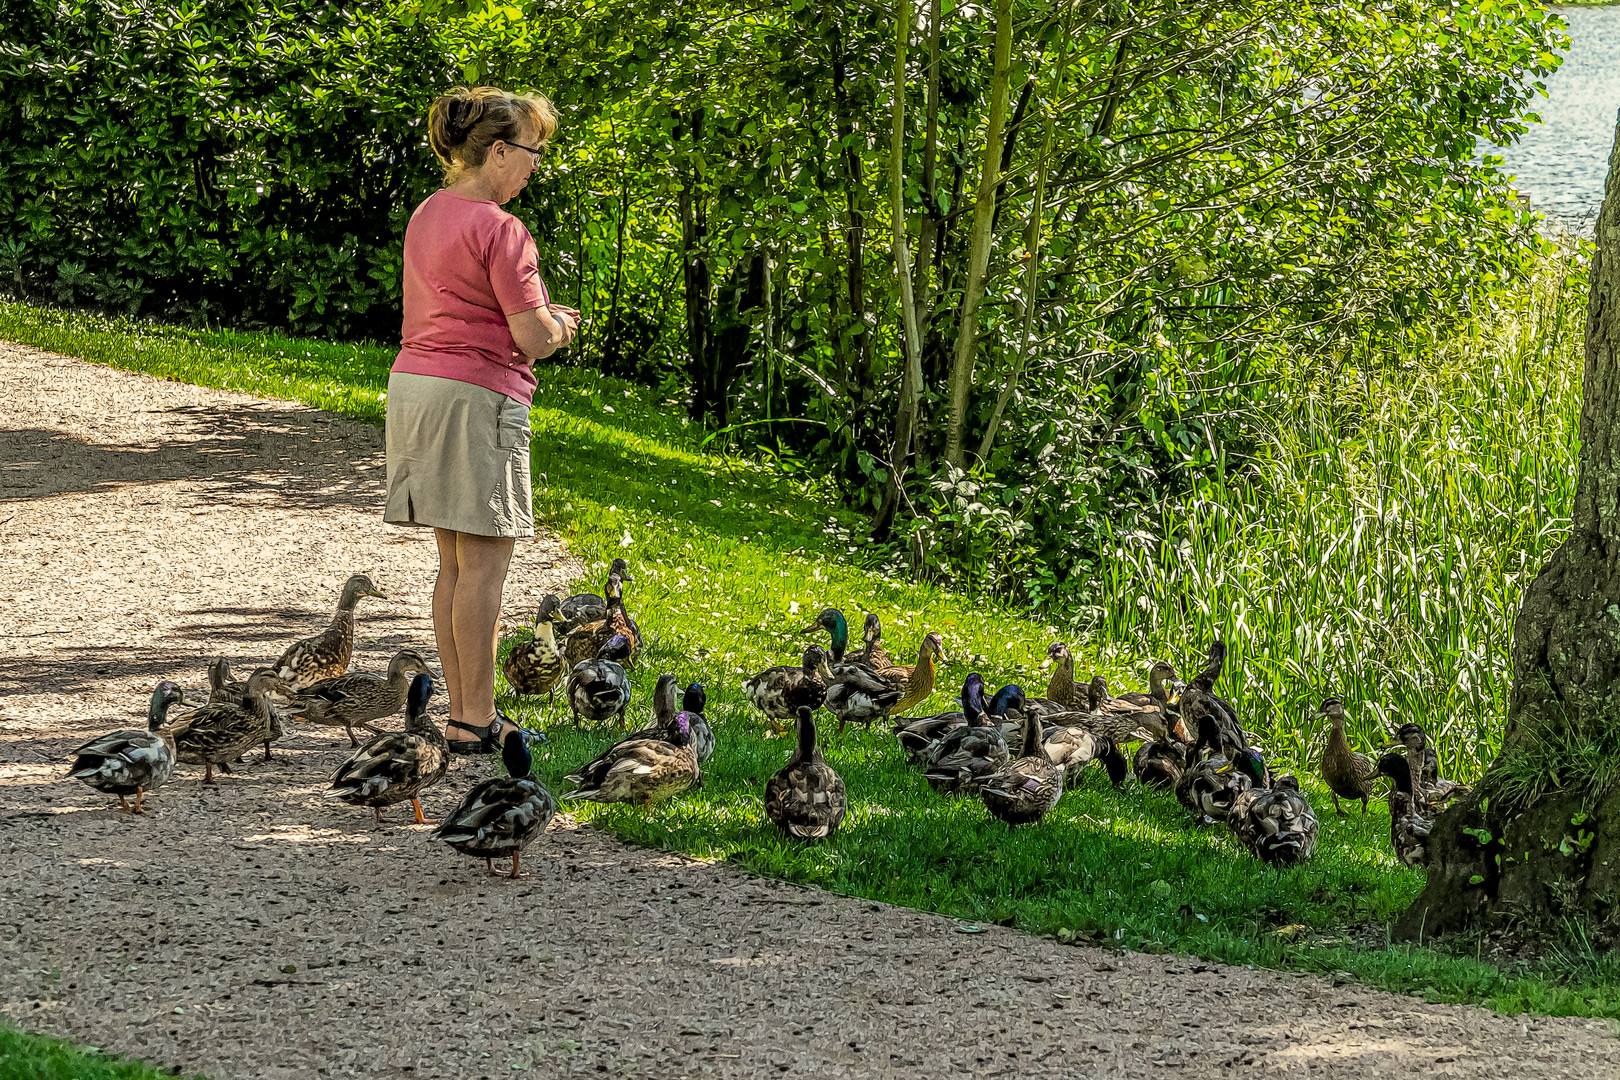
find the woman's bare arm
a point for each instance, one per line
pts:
(541, 331)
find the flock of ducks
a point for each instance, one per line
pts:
(1016, 754)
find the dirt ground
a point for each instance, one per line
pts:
(255, 930)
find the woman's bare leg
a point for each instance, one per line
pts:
(466, 619)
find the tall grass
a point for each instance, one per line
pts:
(1381, 552)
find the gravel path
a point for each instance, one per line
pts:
(255, 930)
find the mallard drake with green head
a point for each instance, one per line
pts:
(780, 692)
(536, 667)
(359, 697)
(1210, 787)
(1409, 827)
(1275, 823)
(582, 608)
(642, 771)
(806, 797)
(664, 726)
(599, 690)
(965, 757)
(326, 655)
(587, 640)
(859, 693)
(501, 816)
(1027, 788)
(1348, 774)
(218, 734)
(132, 762)
(397, 766)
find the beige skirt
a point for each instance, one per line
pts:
(458, 457)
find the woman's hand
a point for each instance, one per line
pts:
(541, 331)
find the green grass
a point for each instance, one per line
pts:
(1380, 557)
(36, 1057)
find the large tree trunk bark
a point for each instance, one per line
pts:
(1539, 841)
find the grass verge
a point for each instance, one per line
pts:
(731, 558)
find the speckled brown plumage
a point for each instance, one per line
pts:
(326, 655)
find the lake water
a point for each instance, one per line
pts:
(1561, 164)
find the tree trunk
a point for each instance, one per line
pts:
(905, 418)
(696, 279)
(1539, 840)
(967, 335)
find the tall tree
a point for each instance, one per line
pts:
(1539, 840)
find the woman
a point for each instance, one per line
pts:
(476, 316)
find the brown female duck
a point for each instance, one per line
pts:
(220, 733)
(642, 771)
(359, 697)
(1348, 774)
(326, 655)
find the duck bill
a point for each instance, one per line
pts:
(813, 628)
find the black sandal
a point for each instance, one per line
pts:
(490, 736)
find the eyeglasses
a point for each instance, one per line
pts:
(520, 146)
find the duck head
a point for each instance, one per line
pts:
(1395, 767)
(1252, 765)
(1057, 653)
(832, 621)
(621, 569)
(665, 698)
(1009, 698)
(166, 694)
(815, 662)
(417, 698)
(617, 649)
(694, 699)
(872, 629)
(681, 734)
(973, 697)
(1098, 689)
(516, 757)
(407, 660)
(1333, 709)
(1413, 737)
(360, 585)
(550, 610)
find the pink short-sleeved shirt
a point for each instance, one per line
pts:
(468, 265)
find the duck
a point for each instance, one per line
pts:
(860, 693)
(1409, 827)
(641, 771)
(1160, 677)
(396, 766)
(873, 654)
(223, 686)
(1214, 730)
(326, 655)
(1347, 774)
(1076, 747)
(1431, 789)
(225, 689)
(665, 710)
(1159, 763)
(500, 817)
(1026, 789)
(1209, 788)
(780, 692)
(1275, 823)
(586, 640)
(582, 608)
(359, 697)
(960, 761)
(917, 733)
(1204, 681)
(1142, 713)
(694, 699)
(536, 667)
(218, 734)
(132, 762)
(599, 689)
(806, 797)
(1061, 690)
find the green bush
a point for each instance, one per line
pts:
(247, 162)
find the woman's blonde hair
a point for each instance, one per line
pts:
(464, 123)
